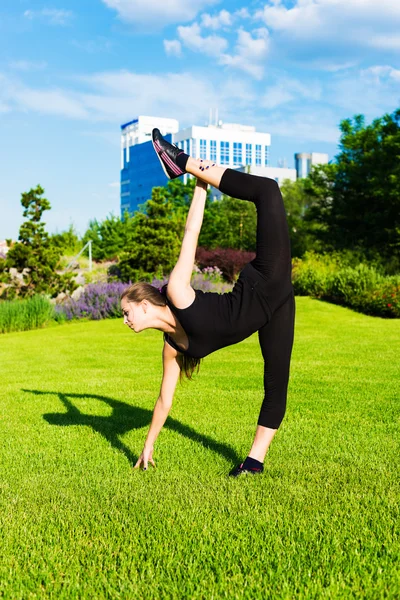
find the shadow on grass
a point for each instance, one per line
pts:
(124, 418)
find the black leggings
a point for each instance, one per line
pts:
(273, 260)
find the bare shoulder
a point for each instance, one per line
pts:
(181, 296)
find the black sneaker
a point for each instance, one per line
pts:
(167, 154)
(239, 470)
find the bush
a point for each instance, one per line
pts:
(98, 301)
(22, 315)
(229, 261)
(361, 287)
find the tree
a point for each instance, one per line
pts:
(109, 237)
(357, 200)
(154, 242)
(33, 256)
(67, 241)
(298, 203)
(230, 223)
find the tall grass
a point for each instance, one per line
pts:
(21, 315)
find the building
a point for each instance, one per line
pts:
(140, 167)
(228, 144)
(304, 162)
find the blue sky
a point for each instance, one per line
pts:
(71, 72)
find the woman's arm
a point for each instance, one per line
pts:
(179, 289)
(163, 405)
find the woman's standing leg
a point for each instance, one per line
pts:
(273, 260)
(276, 341)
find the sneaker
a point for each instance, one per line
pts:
(239, 470)
(167, 154)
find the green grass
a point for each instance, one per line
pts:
(321, 522)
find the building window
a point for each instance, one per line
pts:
(213, 150)
(237, 153)
(203, 149)
(224, 153)
(266, 156)
(258, 155)
(187, 143)
(249, 150)
(194, 149)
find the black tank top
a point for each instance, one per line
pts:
(214, 320)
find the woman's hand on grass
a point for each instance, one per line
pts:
(145, 458)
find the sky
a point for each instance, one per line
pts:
(72, 71)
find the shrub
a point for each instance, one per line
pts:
(229, 261)
(311, 273)
(98, 301)
(361, 287)
(21, 315)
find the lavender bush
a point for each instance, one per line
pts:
(98, 301)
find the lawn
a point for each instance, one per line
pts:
(321, 522)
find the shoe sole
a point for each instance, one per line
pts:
(161, 160)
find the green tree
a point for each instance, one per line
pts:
(109, 236)
(356, 202)
(67, 241)
(302, 231)
(34, 257)
(154, 241)
(229, 223)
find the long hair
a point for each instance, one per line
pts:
(145, 291)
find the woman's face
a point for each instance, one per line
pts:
(134, 314)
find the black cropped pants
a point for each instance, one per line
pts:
(273, 261)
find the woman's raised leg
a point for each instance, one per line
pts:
(206, 170)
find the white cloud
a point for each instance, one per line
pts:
(27, 65)
(173, 47)
(222, 19)
(116, 97)
(379, 72)
(362, 23)
(287, 89)
(4, 107)
(242, 13)
(250, 52)
(95, 46)
(211, 45)
(319, 125)
(18, 96)
(385, 42)
(369, 91)
(158, 13)
(331, 67)
(52, 15)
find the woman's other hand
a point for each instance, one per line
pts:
(145, 458)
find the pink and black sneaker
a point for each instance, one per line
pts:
(168, 154)
(250, 465)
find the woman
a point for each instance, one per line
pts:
(197, 323)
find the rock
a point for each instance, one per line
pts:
(80, 279)
(77, 293)
(60, 298)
